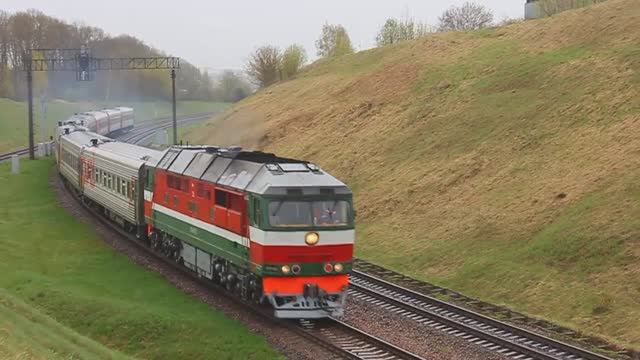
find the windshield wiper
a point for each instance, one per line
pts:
(333, 208)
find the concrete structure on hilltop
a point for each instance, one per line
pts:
(532, 10)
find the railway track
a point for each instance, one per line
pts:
(353, 343)
(142, 132)
(496, 311)
(21, 152)
(479, 329)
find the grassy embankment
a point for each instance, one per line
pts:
(65, 294)
(13, 116)
(503, 163)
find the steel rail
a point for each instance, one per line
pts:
(21, 152)
(472, 326)
(146, 126)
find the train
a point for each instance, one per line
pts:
(271, 230)
(106, 122)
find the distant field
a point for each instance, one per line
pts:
(64, 294)
(13, 116)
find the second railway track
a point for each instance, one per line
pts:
(492, 334)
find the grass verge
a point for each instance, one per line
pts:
(57, 277)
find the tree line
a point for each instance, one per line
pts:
(31, 29)
(268, 64)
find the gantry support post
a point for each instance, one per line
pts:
(30, 105)
(173, 103)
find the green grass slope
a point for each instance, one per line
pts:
(26, 333)
(58, 280)
(503, 163)
(14, 125)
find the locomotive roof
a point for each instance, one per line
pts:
(253, 171)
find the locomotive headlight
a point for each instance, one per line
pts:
(312, 238)
(285, 269)
(338, 267)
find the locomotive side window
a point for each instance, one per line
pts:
(203, 192)
(235, 202)
(257, 214)
(221, 198)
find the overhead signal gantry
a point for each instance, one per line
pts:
(84, 65)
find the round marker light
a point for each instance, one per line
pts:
(328, 268)
(296, 269)
(285, 269)
(338, 267)
(311, 238)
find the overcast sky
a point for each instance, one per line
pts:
(220, 34)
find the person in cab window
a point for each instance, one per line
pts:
(328, 216)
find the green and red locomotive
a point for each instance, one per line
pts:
(267, 228)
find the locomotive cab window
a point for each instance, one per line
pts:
(288, 213)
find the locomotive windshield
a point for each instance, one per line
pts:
(309, 213)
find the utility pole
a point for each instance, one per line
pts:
(173, 101)
(30, 95)
(84, 65)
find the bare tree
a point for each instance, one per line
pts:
(231, 87)
(395, 30)
(263, 66)
(293, 59)
(29, 29)
(333, 41)
(469, 16)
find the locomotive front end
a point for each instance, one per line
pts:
(302, 244)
